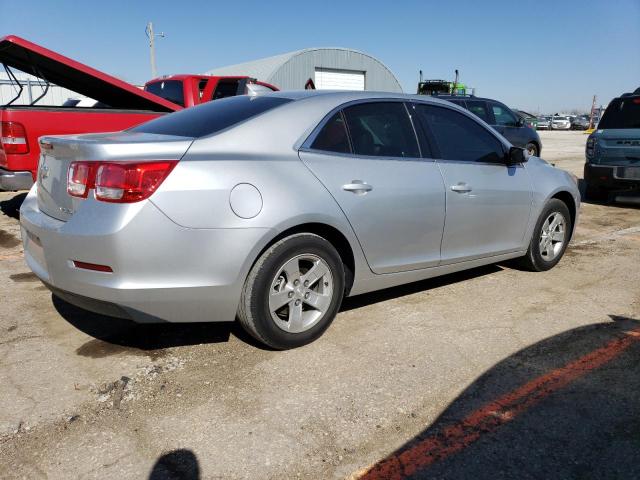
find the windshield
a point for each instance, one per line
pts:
(621, 113)
(171, 90)
(210, 117)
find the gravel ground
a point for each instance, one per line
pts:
(85, 396)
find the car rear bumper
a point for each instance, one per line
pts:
(609, 177)
(11, 181)
(162, 272)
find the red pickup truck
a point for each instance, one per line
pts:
(120, 105)
(190, 90)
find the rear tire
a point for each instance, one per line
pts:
(293, 292)
(550, 237)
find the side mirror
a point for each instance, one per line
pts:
(516, 155)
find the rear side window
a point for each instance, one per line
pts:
(479, 109)
(210, 117)
(381, 129)
(621, 113)
(226, 88)
(171, 90)
(333, 136)
(458, 137)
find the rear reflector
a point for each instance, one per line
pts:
(118, 182)
(14, 138)
(92, 266)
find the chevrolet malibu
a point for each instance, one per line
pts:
(270, 209)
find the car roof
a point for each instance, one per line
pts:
(345, 96)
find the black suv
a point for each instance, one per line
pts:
(502, 118)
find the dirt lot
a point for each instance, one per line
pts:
(492, 373)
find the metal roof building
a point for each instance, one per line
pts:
(327, 68)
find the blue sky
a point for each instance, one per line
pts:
(540, 56)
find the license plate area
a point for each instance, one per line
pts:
(629, 173)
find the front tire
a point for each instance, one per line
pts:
(532, 148)
(293, 292)
(550, 237)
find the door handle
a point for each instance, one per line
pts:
(358, 187)
(461, 188)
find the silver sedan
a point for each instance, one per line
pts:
(270, 209)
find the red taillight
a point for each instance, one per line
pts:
(14, 138)
(118, 182)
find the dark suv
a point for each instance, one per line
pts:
(503, 119)
(613, 151)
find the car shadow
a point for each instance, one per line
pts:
(154, 337)
(147, 337)
(11, 207)
(378, 296)
(566, 407)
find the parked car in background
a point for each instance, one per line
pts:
(544, 123)
(580, 123)
(500, 117)
(190, 90)
(386, 189)
(530, 120)
(560, 123)
(613, 151)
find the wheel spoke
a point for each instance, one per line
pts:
(295, 316)
(277, 300)
(318, 301)
(314, 274)
(554, 223)
(292, 270)
(557, 236)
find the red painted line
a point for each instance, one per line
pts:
(490, 417)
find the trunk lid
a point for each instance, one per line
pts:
(59, 152)
(16, 52)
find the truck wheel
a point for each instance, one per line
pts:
(293, 292)
(532, 148)
(550, 237)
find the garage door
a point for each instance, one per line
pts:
(332, 79)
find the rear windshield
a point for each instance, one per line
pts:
(621, 113)
(210, 117)
(171, 90)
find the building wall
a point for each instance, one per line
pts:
(294, 73)
(290, 71)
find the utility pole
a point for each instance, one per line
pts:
(593, 108)
(152, 47)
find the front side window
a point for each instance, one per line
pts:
(381, 129)
(503, 115)
(458, 137)
(171, 90)
(479, 109)
(333, 136)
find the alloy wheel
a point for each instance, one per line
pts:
(300, 293)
